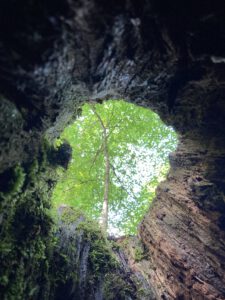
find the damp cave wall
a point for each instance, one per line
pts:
(55, 55)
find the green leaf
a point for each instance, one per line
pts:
(138, 145)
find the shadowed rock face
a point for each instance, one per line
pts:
(170, 57)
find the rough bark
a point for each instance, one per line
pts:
(184, 230)
(163, 55)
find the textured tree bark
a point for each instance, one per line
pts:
(165, 56)
(184, 230)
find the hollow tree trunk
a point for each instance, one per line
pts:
(168, 56)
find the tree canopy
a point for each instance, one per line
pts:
(138, 144)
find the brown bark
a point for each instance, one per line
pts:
(183, 231)
(168, 56)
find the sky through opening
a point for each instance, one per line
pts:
(138, 144)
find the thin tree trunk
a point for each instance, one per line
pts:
(105, 206)
(104, 214)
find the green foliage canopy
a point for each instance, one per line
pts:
(138, 144)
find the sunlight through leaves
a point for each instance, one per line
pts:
(138, 144)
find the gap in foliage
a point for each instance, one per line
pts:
(120, 154)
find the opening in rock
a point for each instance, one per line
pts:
(120, 154)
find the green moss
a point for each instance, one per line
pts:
(101, 256)
(125, 243)
(139, 254)
(18, 180)
(70, 215)
(134, 248)
(103, 267)
(33, 170)
(26, 231)
(12, 181)
(116, 287)
(34, 262)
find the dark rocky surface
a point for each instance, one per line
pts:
(170, 57)
(92, 266)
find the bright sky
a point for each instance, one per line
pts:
(147, 164)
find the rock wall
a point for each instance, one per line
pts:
(167, 56)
